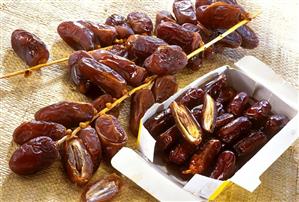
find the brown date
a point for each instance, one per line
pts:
(103, 76)
(132, 73)
(233, 40)
(168, 138)
(249, 38)
(104, 34)
(223, 119)
(197, 112)
(91, 141)
(220, 15)
(226, 95)
(141, 101)
(163, 16)
(274, 124)
(259, 111)
(234, 129)
(238, 104)
(76, 35)
(203, 2)
(120, 23)
(181, 153)
(250, 144)
(100, 103)
(77, 161)
(166, 60)
(29, 47)
(202, 160)
(195, 62)
(225, 166)
(220, 108)
(175, 34)
(164, 87)
(120, 50)
(141, 47)
(184, 11)
(215, 86)
(159, 123)
(69, 114)
(192, 98)
(112, 135)
(32, 129)
(103, 189)
(140, 23)
(33, 156)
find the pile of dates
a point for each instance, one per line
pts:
(80, 154)
(213, 130)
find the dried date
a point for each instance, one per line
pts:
(164, 87)
(223, 119)
(238, 104)
(215, 86)
(140, 23)
(103, 189)
(33, 156)
(76, 35)
(163, 16)
(168, 139)
(103, 76)
(100, 104)
(274, 124)
(120, 50)
(113, 137)
(192, 98)
(249, 38)
(120, 23)
(184, 11)
(29, 47)
(32, 129)
(233, 40)
(181, 153)
(225, 166)
(140, 103)
(259, 111)
(226, 95)
(69, 114)
(234, 129)
(166, 60)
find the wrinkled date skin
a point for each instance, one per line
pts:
(195, 62)
(33, 156)
(32, 129)
(69, 114)
(140, 23)
(250, 144)
(120, 23)
(233, 40)
(29, 47)
(77, 78)
(92, 143)
(103, 76)
(215, 86)
(163, 16)
(238, 104)
(226, 95)
(224, 119)
(168, 139)
(159, 123)
(234, 129)
(104, 34)
(103, 189)
(258, 111)
(164, 87)
(113, 137)
(249, 37)
(274, 124)
(225, 166)
(220, 15)
(76, 35)
(192, 98)
(142, 47)
(203, 159)
(166, 60)
(77, 161)
(141, 101)
(120, 50)
(175, 34)
(181, 153)
(184, 11)
(132, 73)
(100, 104)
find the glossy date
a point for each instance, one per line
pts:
(184, 11)
(164, 87)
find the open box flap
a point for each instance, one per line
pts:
(132, 165)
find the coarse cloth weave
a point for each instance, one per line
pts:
(20, 98)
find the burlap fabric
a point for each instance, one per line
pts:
(20, 98)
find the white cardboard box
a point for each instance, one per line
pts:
(249, 75)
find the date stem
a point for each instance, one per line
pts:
(221, 36)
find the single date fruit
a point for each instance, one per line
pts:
(140, 23)
(123, 29)
(184, 11)
(225, 166)
(274, 124)
(164, 87)
(238, 104)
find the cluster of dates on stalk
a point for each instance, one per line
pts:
(80, 154)
(213, 130)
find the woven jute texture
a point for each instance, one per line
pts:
(20, 98)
